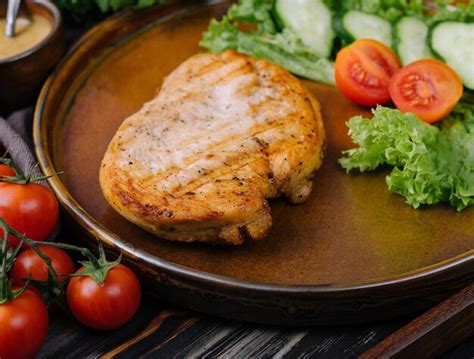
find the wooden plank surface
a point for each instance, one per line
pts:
(449, 323)
(161, 332)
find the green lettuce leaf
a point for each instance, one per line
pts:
(264, 41)
(390, 10)
(284, 49)
(430, 164)
(444, 10)
(254, 12)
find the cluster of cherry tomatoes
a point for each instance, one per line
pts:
(369, 73)
(100, 294)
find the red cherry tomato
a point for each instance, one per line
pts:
(31, 209)
(23, 326)
(29, 263)
(108, 306)
(428, 88)
(363, 71)
(6, 170)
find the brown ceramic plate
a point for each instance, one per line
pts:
(352, 252)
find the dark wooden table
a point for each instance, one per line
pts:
(159, 331)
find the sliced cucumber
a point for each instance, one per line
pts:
(360, 25)
(311, 20)
(411, 36)
(454, 43)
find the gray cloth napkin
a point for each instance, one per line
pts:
(15, 138)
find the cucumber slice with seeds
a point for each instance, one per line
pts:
(411, 36)
(360, 25)
(311, 20)
(454, 42)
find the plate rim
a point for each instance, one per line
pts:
(98, 231)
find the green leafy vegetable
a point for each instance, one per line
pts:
(430, 11)
(390, 10)
(89, 11)
(254, 12)
(282, 48)
(431, 164)
(445, 11)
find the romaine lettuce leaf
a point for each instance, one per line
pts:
(284, 49)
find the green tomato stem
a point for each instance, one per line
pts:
(8, 257)
(23, 239)
(35, 244)
(4, 284)
(20, 176)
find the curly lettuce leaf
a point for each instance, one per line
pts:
(390, 10)
(254, 12)
(434, 11)
(220, 36)
(284, 49)
(444, 10)
(430, 164)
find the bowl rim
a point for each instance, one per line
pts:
(98, 231)
(56, 25)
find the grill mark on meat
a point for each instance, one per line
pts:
(222, 146)
(194, 163)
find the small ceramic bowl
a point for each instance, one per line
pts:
(22, 75)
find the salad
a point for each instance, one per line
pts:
(305, 35)
(414, 55)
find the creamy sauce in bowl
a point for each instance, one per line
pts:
(29, 32)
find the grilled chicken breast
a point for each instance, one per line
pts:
(223, 134)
